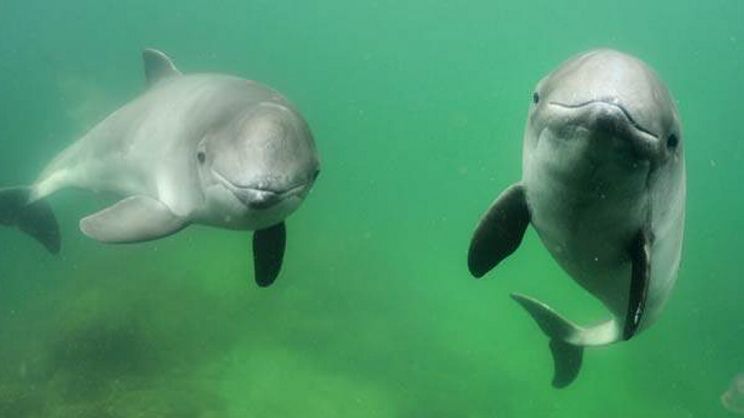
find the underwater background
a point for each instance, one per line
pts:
(418, 109)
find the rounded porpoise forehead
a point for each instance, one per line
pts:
(271, 121)
(270, 144)
(602, 74)
(613, 76)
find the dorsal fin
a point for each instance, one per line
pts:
(158, 66)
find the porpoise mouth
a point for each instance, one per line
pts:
(611, 115)
(261, 197)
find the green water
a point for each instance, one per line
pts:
(417, 109)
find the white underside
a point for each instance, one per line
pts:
(587, 216)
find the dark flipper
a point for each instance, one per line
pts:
(268, 253)
(499, 231)
(34, 218)
(567, 362)
(640, 256)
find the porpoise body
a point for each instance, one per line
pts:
(603, 184)
(206, 149)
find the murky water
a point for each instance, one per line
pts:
(418, 111)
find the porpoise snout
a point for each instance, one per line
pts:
(264, 193)
(257, 198)
(609, 113)
(611, 117)
(264, 197)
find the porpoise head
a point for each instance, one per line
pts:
(257, 168)
(613, 101)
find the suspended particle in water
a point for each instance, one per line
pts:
(733, 398)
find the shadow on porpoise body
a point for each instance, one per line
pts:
(603, 184)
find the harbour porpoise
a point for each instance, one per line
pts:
(603, 184)
(207, 149)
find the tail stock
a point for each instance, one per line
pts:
(567, 340)
(32, 217)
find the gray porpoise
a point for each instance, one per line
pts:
(603, 184)
(207, 149)
(733, 398)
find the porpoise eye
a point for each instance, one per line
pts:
(672, 141)
(201, 157)
(535, 98)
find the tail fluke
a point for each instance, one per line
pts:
(566, 362)
(567, 340)
(34, 218)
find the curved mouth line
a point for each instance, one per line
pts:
(284, 192)
(619, 106)
(287, 191)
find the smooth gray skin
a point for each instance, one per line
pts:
(204, 148)
(597, 168)
(603, 184)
